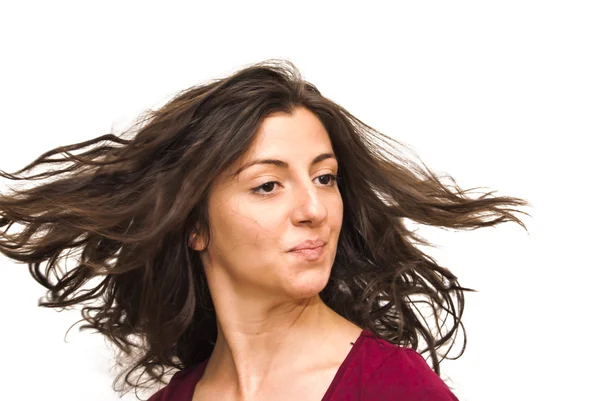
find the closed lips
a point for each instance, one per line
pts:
(308, 245)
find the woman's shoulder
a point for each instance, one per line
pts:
(393, 372)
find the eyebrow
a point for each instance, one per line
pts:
(282, 164)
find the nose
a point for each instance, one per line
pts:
(309, 207)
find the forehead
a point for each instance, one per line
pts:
(282, 130)
(291, 138)
(301, 124)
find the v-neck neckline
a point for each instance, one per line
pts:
(198, 371)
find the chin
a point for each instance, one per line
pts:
(308, 285)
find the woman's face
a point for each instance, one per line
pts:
(256, 217)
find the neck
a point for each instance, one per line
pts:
(252, 347)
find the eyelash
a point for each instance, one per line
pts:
(335, 178)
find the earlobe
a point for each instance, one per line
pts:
(197, 243)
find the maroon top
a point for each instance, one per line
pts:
(374, 370)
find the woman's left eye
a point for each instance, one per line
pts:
(268, 186)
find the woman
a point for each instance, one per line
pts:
(251, 235)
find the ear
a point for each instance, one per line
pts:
(197, 242)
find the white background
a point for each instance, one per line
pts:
(504, 95)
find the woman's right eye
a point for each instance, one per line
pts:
(264, 186)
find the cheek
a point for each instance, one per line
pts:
(249, 236)
(262, 222)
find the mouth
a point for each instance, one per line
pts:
(310, 254)
(309, 244)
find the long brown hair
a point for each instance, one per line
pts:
(124, 208)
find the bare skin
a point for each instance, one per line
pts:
(276, 339)
(302, 366)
